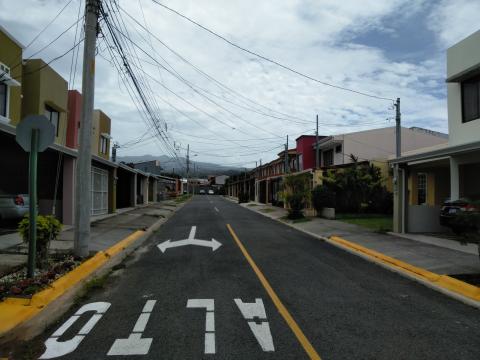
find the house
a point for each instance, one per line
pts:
(447, 171)
(374, 144)
(10, 78)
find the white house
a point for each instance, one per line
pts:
(375, 144)
(432, 175)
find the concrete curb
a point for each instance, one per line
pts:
(456, 289)
(24, 319)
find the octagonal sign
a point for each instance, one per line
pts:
(46, 135)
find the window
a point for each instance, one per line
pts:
(471, 99)
(338, 149)
(53, 116)
(3, 100)
(328, 157)
(103, 145)
(421, 188)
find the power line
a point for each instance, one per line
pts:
(268, 59)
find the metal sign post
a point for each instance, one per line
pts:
(32, 185)
(34, 134)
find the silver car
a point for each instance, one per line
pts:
(13, 206)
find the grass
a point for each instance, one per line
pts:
(267, 210)
(252, 205)
(376, 222)
(296, 221)
(182, 198)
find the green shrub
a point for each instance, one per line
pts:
(296, 204)
(296, 192)
(323, 197)
(48, 228)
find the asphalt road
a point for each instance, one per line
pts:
(271, 293)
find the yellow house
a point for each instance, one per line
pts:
(101, 127)
(45, 92)
(10, 77)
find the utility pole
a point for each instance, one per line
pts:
(188, 167)
(83, 194)
(398, 212)
(286, 156)
(317, 157)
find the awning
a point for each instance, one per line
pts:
(5, 78)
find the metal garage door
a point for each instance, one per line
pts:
(99, 191)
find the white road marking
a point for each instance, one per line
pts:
(261, 331)
(216, 209)
(135, 344)
(214, 244)
(262, 334)
(55, 348)
(209, 305)
(251, 310)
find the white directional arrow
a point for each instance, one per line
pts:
(214, 244)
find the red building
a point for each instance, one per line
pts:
(306, 152)
(73, 122)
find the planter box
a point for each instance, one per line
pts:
(328, 213)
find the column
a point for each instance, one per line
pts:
(133, 190)
(454, 179)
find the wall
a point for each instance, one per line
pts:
(461, 58)
(423, 218)
(101, 123)
(380, 143)
(11, 55)
(438, 185)
(45, 87)
(73, 118)
(305, 147)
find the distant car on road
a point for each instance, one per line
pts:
(13, 206)
(202, 192)
(211, 192)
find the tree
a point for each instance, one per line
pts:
(296, 192)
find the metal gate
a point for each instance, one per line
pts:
(99, 191)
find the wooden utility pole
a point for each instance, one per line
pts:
(317, 157)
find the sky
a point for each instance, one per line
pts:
(234, 108)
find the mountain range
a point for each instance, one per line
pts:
(171, 165)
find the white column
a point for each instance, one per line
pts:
(454, 179)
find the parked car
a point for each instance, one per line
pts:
(202, 192)
(13, 206)
(452, 209)
(211, 192)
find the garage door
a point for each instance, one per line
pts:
(99, 191)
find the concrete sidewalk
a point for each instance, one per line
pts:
(418, 251)
(105, 232)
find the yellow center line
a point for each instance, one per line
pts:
(307, 346)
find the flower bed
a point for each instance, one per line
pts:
(17, 284)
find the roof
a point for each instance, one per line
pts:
(438, 153)
(6, 32)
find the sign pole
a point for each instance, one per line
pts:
(32, 176)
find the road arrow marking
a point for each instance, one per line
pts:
(214, 244)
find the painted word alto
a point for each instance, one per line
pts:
(214, 244)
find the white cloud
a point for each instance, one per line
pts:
(311, 36)
(454, 20)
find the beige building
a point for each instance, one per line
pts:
(432, 175)
(45, 92)
(101, 127)
(375, 144)
(10, 77)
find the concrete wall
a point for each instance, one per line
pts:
(45, 87)
(73, 118)
(438, 185)
(11, 55)
(423, 218)
(101, 124)
(461, 58)
(380, 143)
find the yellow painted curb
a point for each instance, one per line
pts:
(14, 311)
(444, 281)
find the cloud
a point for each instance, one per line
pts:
(314, 37)
(454, 20)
